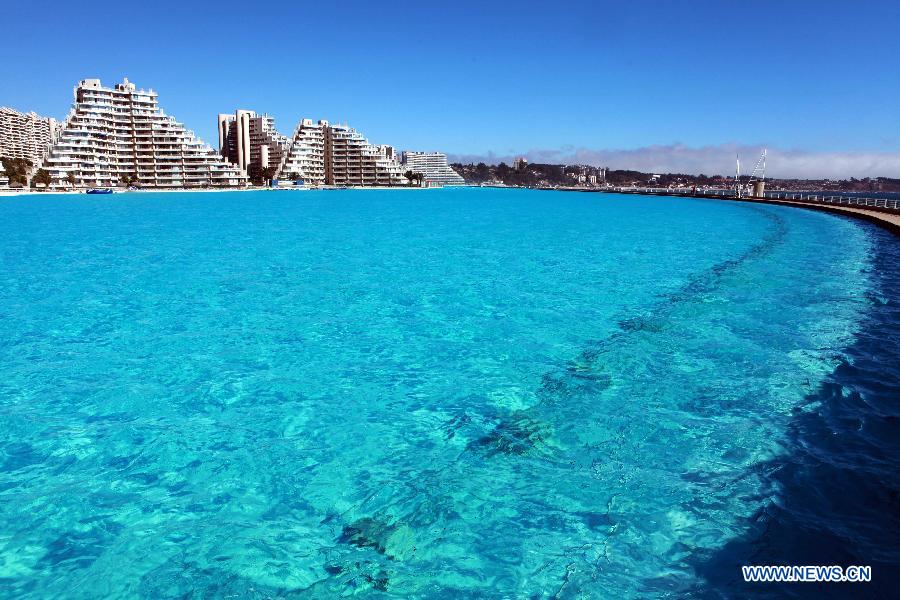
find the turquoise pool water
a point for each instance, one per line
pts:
(441, 393)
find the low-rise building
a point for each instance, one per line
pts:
(433, 167)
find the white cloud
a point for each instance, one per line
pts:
(711, 160)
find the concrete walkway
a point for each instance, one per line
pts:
(889, 221)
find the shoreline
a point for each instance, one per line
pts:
(30, 192)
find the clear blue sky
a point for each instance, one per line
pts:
(476, 77)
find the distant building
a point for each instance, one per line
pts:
(26, 135)
(433, 166)
(251, 141)
(592, 179)
(116, 133)
(520, 163)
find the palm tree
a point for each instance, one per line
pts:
(71, 179)
(129, 180)
(410, 176)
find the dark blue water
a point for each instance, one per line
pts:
(835, 494)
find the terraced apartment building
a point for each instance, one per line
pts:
(350, 160)
(305, 159)
(116, 134)
(433, 166)
(25, 135)
(321, 153)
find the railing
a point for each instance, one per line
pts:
(862, 202)
(845, 200)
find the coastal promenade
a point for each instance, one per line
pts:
(885, 217)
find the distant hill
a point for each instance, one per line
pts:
(545, 175)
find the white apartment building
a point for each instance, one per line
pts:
(433, 166)
(251, 141)
(350, 160)
(121, 132)
(26, 135)
(305, 158)
(324, 154)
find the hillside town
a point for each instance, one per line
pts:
(524, 174)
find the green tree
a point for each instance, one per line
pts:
(267, 174)
(255, 174)
(16, 170)
(410, 176)
(71, 179)
(129, 180)
(482, 172)
(42, 177)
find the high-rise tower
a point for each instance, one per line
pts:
(251, 142)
